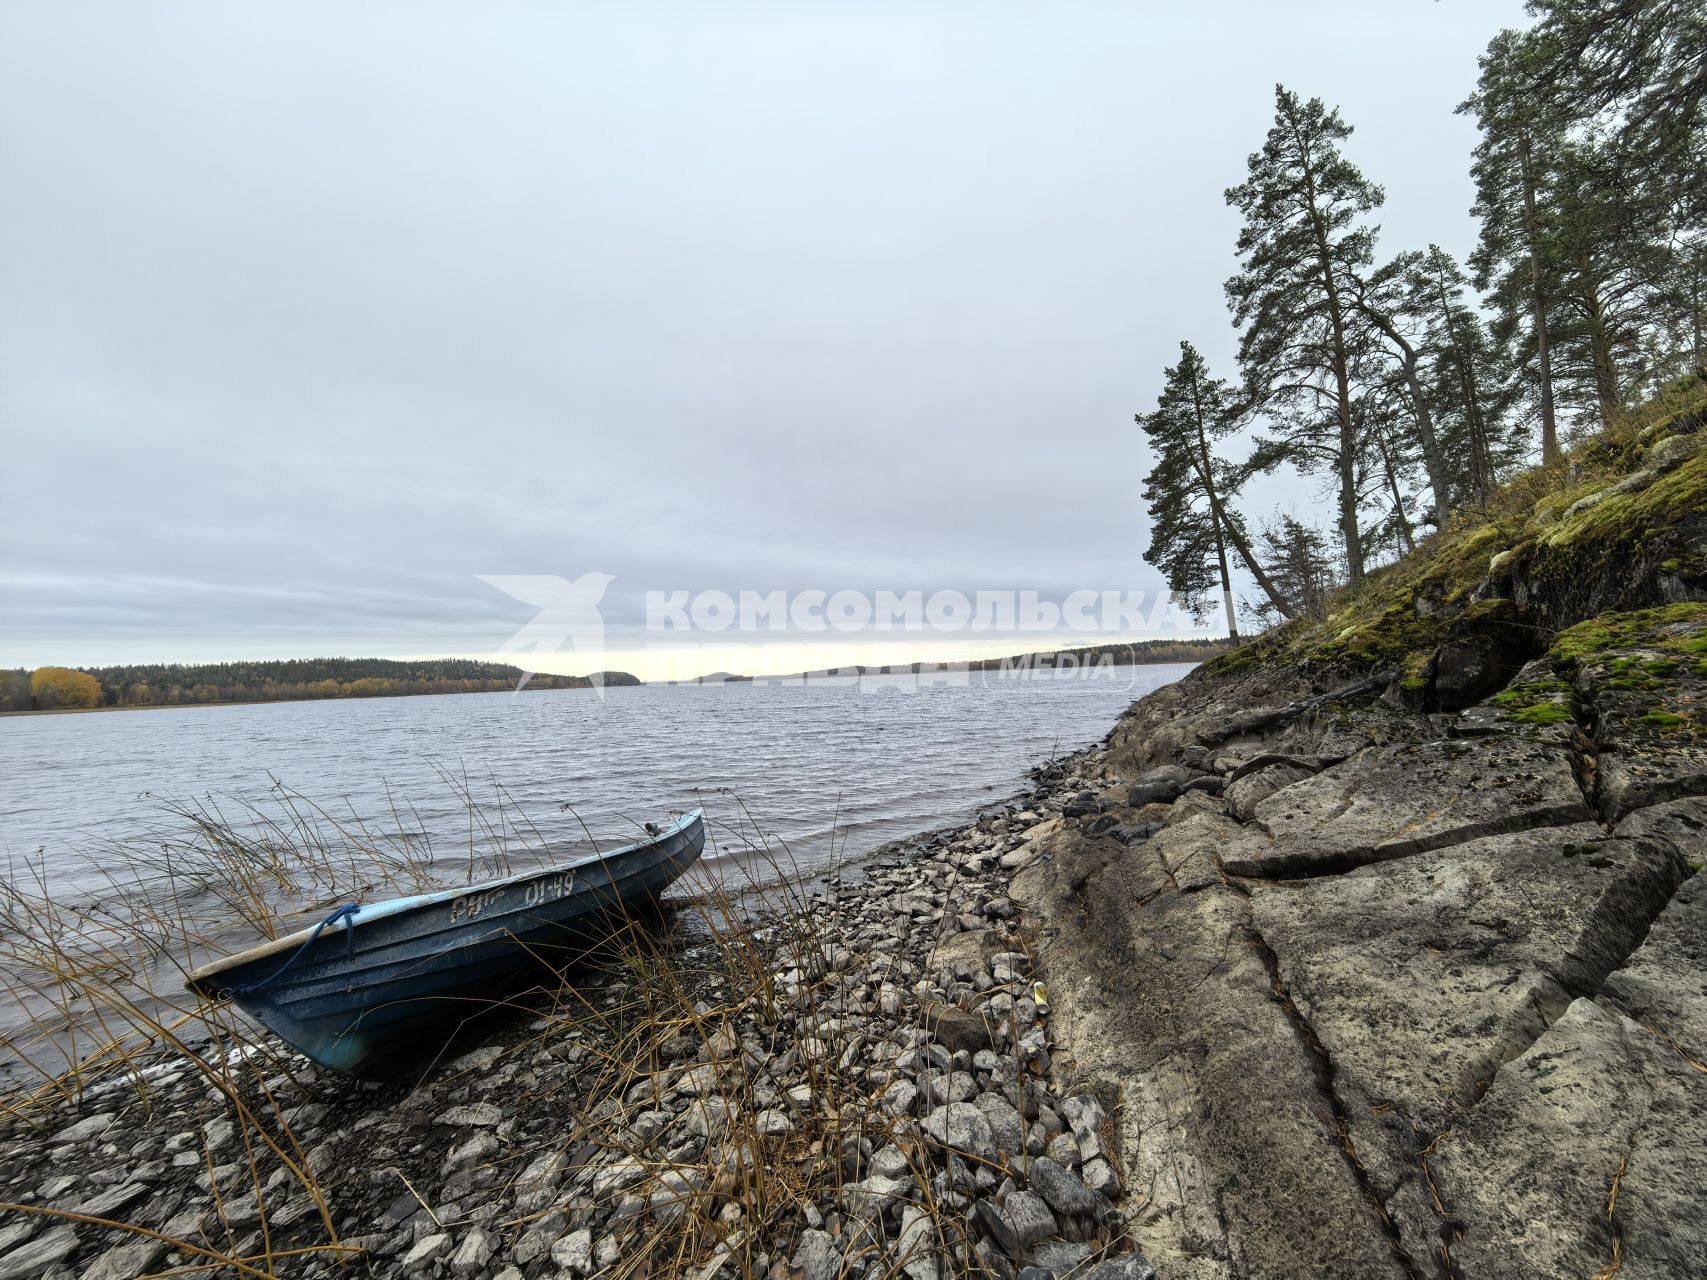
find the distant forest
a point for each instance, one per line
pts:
(297, 679)
(1133, 653)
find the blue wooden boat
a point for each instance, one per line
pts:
(375, 987)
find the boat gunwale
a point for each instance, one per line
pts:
(396, 906)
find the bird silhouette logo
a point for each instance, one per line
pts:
(568, 617)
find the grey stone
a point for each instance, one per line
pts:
(1101, 1178)
(88, 1127)
(1246, 792)
(105, 1204)
(1160, 785)
(574, 1252)
(536, 1185)
(47, 1250)
(890, 1162)
(427, 1250)
(916, 1248)
(1489, 938)
(677, 1191)
(473, 1253)
(871, 1196)
(475, 1151)
(1126, 1266)
(773, 1124)
(1061, 1257)
(1063, 1149)
(126, 1261)
(475, 1113)
(1064, 1192)
(816, 1256)
(960, 1126)
(1030, 1218)
(956, 1029)
(951, 1086)
(1007, 1130)
(990, 1220)
(1393, 801)
(901, 1097)
(540, 1236)
(1596, 1103)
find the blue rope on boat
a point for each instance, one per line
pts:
(345, 912)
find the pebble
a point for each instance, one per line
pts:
(1065, 1193)
(897, 1070)
(35, 1257)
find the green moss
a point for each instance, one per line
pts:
(1403, 612)
(1588, 639)
(1624, 517)
(1542, 713)
(1528, 694)
(1664, 720)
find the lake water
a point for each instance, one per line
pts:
(97, 810)
(833, 768)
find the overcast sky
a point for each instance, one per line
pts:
(312, 313)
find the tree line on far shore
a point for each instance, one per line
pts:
(1415, 384)
(290, 680)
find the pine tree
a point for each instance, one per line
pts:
(1516, 260)
(1190, 490)
(1383, 301)
(1635, 74)
(1304, 246)
(1296, 557)
(1459, 374)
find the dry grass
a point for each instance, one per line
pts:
(758, 988)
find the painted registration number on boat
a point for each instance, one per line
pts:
(550, 889)
(471, 905)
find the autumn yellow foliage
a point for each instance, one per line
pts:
(63, 687)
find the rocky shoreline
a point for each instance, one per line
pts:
(1409, 982)
(860, 1086)
(1338, 985)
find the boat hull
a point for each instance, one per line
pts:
(373, 997)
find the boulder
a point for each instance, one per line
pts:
(1251, 788)
(1479, 658)
(1388, 802)
(1420, 977)
(1586, 1157)
(1663, 986)
(1161, 785)
(1160, 996)
(955, 1029)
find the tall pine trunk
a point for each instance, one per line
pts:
(1340, 358)
(1600, 348)
(1538, 300)
(1226, 531)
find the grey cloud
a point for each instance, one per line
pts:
(309, 314)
